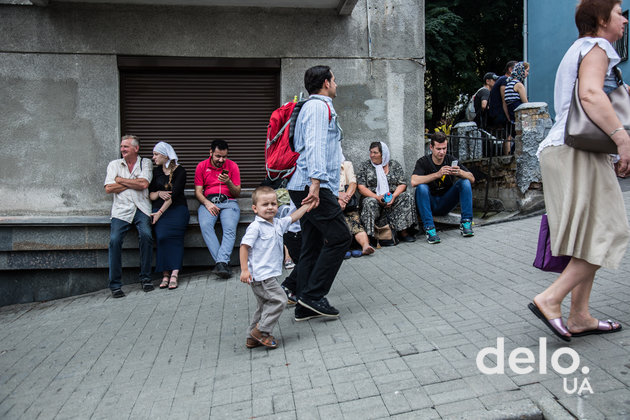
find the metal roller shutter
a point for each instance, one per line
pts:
(189, 107)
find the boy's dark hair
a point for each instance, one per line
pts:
(315, 77)
(510, 65)
(589, 13)
(438, 137)
(218, 144)
(376, 144)
(263, 189)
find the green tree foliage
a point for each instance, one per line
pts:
(464, 40)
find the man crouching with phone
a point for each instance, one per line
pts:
(441, 182)
(217, 185)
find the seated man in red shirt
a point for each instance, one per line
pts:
(217, 185)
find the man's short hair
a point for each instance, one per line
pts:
(315, 77)
(134, 140)
(510, 64)
(438, 137)
(218, 144)
(263, 189)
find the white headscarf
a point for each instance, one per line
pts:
(382, 186)
(167, 150)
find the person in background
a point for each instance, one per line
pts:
(217, 186)
(383, 185)
(513, 95)
(170, 213)
(128, 181)
(481, 100)
(347, 188)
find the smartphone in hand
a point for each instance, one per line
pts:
(455, 162)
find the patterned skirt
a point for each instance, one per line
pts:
(400, 216)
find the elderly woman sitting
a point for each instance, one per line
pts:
(382, 183)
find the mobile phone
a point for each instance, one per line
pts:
(455, 162)
(224, 172)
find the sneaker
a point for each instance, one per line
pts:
(118, 293)
(465, 228)
(291, 298)
(289, 264)
(432, 236)
(304, 314)
(223, 270)
(147, 286)
(321, 306)
(347, 255)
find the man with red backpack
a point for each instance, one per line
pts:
(315, 183)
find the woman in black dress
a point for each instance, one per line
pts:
(170, 213)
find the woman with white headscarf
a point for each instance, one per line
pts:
(170, 213)
(376, 178)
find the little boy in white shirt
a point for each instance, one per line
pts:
(261, 255)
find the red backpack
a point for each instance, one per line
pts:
(280, 156)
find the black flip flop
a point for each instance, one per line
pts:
(532, 307)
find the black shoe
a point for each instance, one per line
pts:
(147, 286)
(223, 270)
(118, 293)
(407, 238)
(304, 314)
(291, 298)
(321, 306)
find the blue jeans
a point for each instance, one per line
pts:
(117, 234)
(429, 204)
(230, 215)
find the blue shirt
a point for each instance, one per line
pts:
(318, 141)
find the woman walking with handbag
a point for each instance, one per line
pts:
(585, 209)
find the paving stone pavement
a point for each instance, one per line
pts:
(413, 320)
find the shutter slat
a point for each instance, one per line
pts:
(190, 110)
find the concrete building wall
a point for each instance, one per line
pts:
(60, 112)
(59, 78)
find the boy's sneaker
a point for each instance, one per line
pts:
(465, 228)
(302, 313)
(321, 307)
(432, 236)
(291, 298)
(147, 286)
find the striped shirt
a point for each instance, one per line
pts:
(318, 141)
(510, 94)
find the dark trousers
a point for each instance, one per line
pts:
(293, 242)
(325, 240)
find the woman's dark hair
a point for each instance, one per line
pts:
(315, 77)
(589, 14)
(376, 144)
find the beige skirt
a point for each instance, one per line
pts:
(585, 209)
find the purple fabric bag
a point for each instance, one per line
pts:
(544, 260)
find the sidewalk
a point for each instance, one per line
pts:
(413, 319)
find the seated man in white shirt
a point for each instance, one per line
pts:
(128, 180)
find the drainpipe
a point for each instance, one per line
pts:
(369, 33)
(525, 35)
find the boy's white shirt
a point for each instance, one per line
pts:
(266, 253)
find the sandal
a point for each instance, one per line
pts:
(164, 283)
(603, 327)
(266, 340)
(173, 283)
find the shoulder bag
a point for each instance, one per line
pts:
(582, 133)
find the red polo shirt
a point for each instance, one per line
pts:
(207, 176)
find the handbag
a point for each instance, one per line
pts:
(581, 133)
(353, 204)
(544, 260)
(384, 235)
